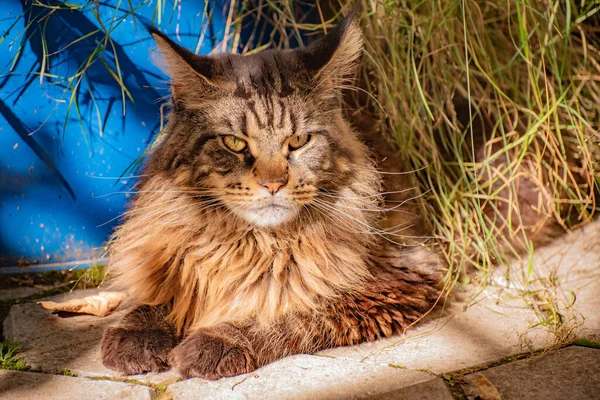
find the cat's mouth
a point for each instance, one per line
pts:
(270, 214)
(272, 207)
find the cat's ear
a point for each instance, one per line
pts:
(192, 75)
(333, 58)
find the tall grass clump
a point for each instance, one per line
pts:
(495, 106)
(492, 101)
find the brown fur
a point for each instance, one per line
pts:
(343, 264)
(141, 343)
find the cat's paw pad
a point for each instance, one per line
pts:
(212, 357)
(133, 351)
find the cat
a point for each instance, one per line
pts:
(262, 226)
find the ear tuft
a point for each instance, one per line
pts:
(333, 57)
(191, 74)
(345, 57)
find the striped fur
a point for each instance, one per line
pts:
(324, 265)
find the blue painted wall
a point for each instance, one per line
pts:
(67, 136)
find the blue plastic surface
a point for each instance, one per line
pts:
(64, 143)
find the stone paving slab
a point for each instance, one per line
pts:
(574, 261)
(313, 377)
(18, 292)
(433, 389)
(486, 332)
(53, 342)
(571, 373)
(33, 386)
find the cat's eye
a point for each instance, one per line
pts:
(234, 143)
(298, 141)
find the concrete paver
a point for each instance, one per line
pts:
(34, 386)
(52, 342)
(18, 292)
(313, 377)
(570, 373)
(484, 333)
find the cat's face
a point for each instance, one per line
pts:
(269, 156)
(263, 134)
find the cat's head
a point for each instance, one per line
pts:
(262, 134)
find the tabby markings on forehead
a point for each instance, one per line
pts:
(265, 117)
(252, 109)
(244, 125)
(283, 112)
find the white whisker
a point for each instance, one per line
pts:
(380, 232)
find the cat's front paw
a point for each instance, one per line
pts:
(210, 355)
(136, 351)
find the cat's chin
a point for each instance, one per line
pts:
(270, 215)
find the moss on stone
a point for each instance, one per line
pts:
(8, 358)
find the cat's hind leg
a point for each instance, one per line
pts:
(141, 343)
(406, 285)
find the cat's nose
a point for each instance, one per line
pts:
(273, 185)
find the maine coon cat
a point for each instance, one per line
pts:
(262, 226)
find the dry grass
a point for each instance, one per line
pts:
(487, 102)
